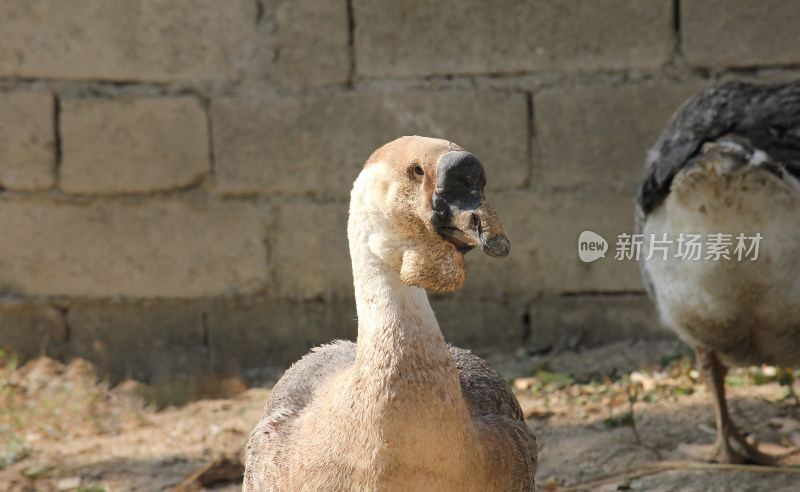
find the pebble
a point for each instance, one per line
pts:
(68, 483)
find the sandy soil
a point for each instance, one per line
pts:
(624, 412)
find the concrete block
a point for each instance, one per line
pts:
(411, 39)
(132, 146)
(31, 329)
(313, 42)
(479, 323)
(137, 40)
(143, 341)
(600, 134)
(155, 248)
(310, 255)
(27, 141)
(318, 144)
(248, 336)
(544, 228)
(592, 320)
(740, 33)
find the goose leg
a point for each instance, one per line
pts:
(731, 446)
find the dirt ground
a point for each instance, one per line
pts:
(628, 416)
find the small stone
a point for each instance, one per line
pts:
(523, 384)
(648, 382)
(70, 483)
(769, 371)
(550, 486)
(707, 429)
(784, 425)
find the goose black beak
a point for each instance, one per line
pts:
(461, 213)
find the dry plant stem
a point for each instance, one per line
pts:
(632, 397)
(790, 387)
(792, 395)
(221, 469)
(191, 483)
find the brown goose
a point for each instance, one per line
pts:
(400, 410)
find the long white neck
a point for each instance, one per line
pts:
(397, 330)
(412, 411)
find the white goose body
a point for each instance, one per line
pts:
(744, 308)
(728, 164)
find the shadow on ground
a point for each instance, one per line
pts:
(60, 428)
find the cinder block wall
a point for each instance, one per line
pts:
(174, 174)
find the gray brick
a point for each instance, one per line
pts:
(594, 320)
(142, 40)
(156, 248)
(409, 38)
(248, 336)
(140, 340)
(169, 342)
(479, 323)
(763, 76)
(544, 229)
(313, 42)
(310, 255)
(31, 329)
(316, 144)
(27, 141)
(135, 145)
(740, 33)
(601, 134)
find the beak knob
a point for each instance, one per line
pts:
(498, 246)
(461, 213)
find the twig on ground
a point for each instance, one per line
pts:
(222, 469)
(665, 466)
(786, 378)
(632, 397)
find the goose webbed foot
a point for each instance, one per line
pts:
(731, 447)
(735, 451)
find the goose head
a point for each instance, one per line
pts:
(420, 204)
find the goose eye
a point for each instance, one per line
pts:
(418, 171)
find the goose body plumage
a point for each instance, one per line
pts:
(726, 171)
(400, 409)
